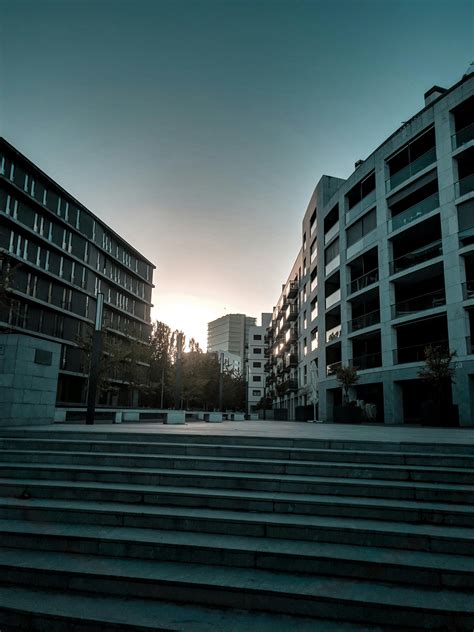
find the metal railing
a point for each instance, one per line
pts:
(416, 353)
(462, 136)
(363, 281)
(464, 186)
(365, 320)
(332, 232)
(413, 167)
(414, 212)
(419, 303)
(413, 258)
(367, 361)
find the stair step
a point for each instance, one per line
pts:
(240, 451)
(321, 485)
(266, 466)
(377, 563)
(362, 532)
(358, 601)
(56, 611)
(235, 499)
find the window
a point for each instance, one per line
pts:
(256, 393)
(257, 351)
(257, 378)
(257, 337)
(256, 365)
(362, 227)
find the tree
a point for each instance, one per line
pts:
(347, 377)
(438, 373)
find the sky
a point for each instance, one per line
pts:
(198, 130)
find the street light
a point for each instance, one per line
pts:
(95, 360)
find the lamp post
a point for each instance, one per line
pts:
(95, 360)
(314, 385)
(221, 380)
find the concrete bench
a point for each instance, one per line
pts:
(213, 418)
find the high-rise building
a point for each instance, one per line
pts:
(61, 256)
(255, 363)
(387, 270)
(229, 333)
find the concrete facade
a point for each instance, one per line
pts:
(60, 256)
(255, 363)
(230, 333)
(387, 266)
(29, 370)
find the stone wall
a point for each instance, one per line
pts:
(28, 379)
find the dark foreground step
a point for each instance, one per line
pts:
(260, 466)
(384, 457)
(291, 484)
(237, 588)
(361, 532)
(340, 560)
(154, 436)
(461, 515)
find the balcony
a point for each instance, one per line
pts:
(414, 212)
(334, 334)
(291, 360)
(291, 313)
(468, 290)
(292, 385)
(415, 353)
(332, 368)
(463, 136)
(419, 303)
(333, 298)
(332, 265)
(332, 232)
(314, 313)
(363, 281)
(293, 290)
(423, 161)
(415, 257)
(368, 361)
(360, 207)
(364, 320)
(291, 336)
(464, 186)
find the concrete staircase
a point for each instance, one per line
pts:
(129, 531)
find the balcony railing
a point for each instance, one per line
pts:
(332, 265)
(314, 313)
(416, 353)
(417, 165)
(468, 290)
(358, 208)
(332, 368)
(365, 320)
(334, 334)
(419, 303)
(463, 136)
(291, 360)
(333, 298)
(413, 258)
(291, 313)
(414, 212)
(293, 290)
(368, 361)
(464, 186)
(314, 284)
(363, 281)
(332, 232)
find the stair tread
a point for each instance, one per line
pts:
(217, 577)
(262, 518)
(240, 494)
(301, 548)
(247, 475)
(225, 459)
(159, 616)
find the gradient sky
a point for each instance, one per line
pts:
(199, 129)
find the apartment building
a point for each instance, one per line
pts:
(255, 363)
(60, 256)
(387, 267)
